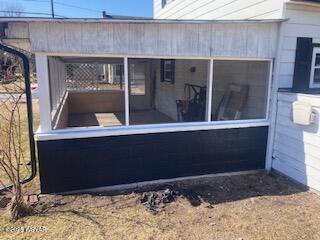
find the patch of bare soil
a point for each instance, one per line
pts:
(256, 206)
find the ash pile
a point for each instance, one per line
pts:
(157, 200)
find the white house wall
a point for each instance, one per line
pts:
(255, 40)
(219, 9)
(296, 148)
(303, 22)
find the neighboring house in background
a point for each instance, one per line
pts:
(113, 73)
(296, 148)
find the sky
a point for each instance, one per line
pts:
(86, 8)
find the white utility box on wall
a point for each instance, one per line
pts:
(302, 113)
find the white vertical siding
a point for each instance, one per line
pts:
(255, 40)
(296, 150)
(303, 22)
(57, 79)
(18, 30)
(17, 36)
(219, 9)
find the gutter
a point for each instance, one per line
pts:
(115, 20)
(304, 3)
(274, 97)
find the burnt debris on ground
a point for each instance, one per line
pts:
(212, 191)
(155, 201)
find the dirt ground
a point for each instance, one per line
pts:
(255, 206)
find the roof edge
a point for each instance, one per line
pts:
(304, 3)
(114, 20)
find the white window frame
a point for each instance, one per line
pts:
(47, 133)
(312, 84)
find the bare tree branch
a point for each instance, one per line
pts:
(13, 9)
(11, 142)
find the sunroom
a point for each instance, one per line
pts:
(128, 101)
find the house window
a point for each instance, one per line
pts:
(315, 69)
(167, 70)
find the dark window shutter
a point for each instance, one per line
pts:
(173, 72)
(302, 67)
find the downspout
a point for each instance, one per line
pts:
(274, 99)
(26, 67)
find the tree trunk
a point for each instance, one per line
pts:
(17, 206)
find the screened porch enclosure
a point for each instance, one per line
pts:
(128, 101)
(91, 92)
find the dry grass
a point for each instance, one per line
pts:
(13, 87)
(239, 207)
(107, 86)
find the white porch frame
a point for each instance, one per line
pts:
(126, 91)
(45, 132)
(44, 92)
(209, 91)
